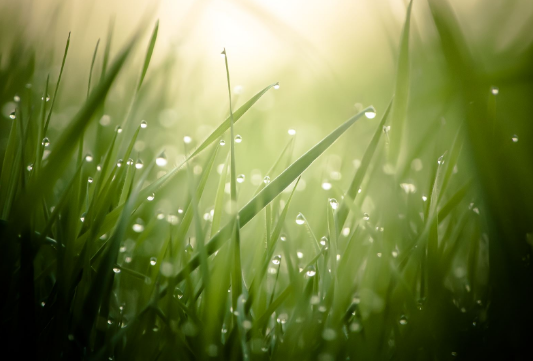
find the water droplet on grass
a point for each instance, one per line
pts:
(151, 197)
(144, 124)
(12, 115)
(310, 271)
(333, 203)
(440, 161)
(178, 293)
(515, 138)
(47, 98)
(276, 86)
(277, 259)
(89, 180)
(138, 226)
(82, 218)
(403, 320)
(116, 269)
(30, 167)
(300, 219)
(238, 139)
(16, 98)
(240, 178)
(161, 159)
(119, 163)
(366, 217)
(139, 164)
(119, 129)
(371, 113)
(187, 139)
(153, 261)
(494, 90)
(45, 142)
(222, 142)
(291, 131)
(326, 185)
(266, 180)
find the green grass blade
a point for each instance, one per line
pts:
(275, 187)
(401, 93)
(148, 55)
(342, 213)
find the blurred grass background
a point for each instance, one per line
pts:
(332, 59)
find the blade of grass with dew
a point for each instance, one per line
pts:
(342, 213)
(275, 187)
(236, 278)
(57, 86)
(219, 198)
(258, 278)
(59, 156)
(105, 275)
(112, 217)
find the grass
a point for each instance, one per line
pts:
(421, 252)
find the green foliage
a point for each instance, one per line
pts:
(412, 259)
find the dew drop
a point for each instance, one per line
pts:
(370, 113)
(515, 138)
(119, 163)
(440, 161)
(16, 98)
(47, 98)
(326, 185)
(266, 180)
(324, 242)
(144, 124)
(277, 259)
(12, 115)
(310, 271)
(180, 210)
(45, 142)
(178, 293)
(403, 320)
(240, 178)
(88, 158)
(82, 218)
(424, 198)
(139, 164)
(291, 131)
(300, 219)
(495, 90)
(151, 197)
(43, 304)
(138, 226)
(222, 142)
(153, 261)
(283, 238)
(161, 159)
(30, 167)
(366, 217)
(333, 203)
(116, 269)
(300, 255)
(238, 139)
(89, 179)
(187, 139)
(276, 86)
(119, 129)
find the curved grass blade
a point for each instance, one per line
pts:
(401, 93)
(57, 85)
(274, 188)
(92, 66)
(148, 56)
(342, 213)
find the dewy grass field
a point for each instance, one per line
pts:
(152, 209)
